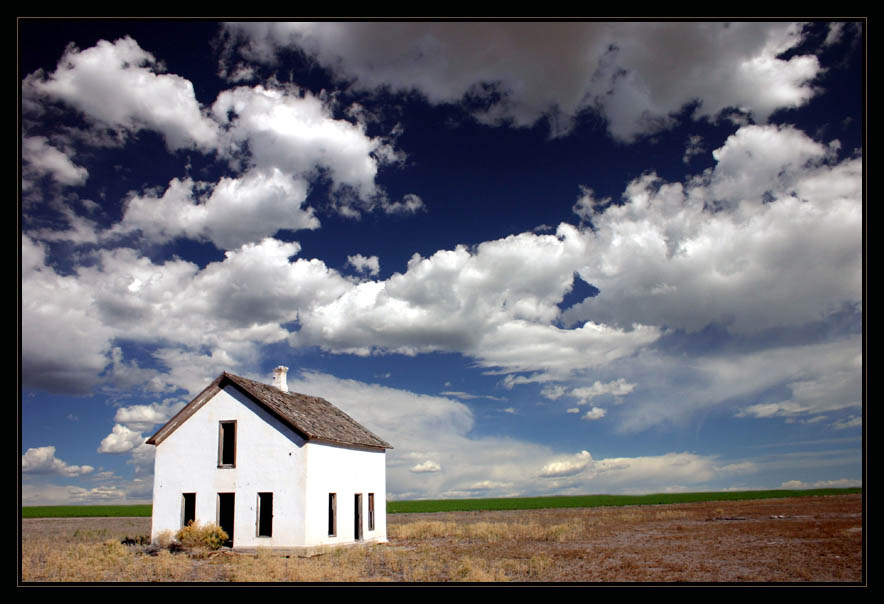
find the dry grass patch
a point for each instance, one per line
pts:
(479, 570)
(421, 529)
(490, 531)
(347, 564)
(47, 561)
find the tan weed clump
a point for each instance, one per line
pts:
(567, 531)
(165, 538)
(205, 536)
(474, 569)
(628, 516)
(484, 531)
(528, 531)
(422, 529)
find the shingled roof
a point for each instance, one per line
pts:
(313, 418)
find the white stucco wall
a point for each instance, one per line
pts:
(270, 457)
(345, 472)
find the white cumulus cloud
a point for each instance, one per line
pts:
(41, 158)
(568, 466)
(369, 265)
(293, 131)
(236, 211)
(782, 248)
(64, 345)
(427, 466)
(141, 418)
(42, 460)
(121, 85)
(468, 301)
(595, 413)
(121, 440)
(619, 387)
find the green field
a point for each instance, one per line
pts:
(586, 501)
(466, 505)
(86, 511)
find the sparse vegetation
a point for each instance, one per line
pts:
(806, 539)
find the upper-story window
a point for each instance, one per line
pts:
(227, 444)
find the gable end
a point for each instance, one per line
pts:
(311, 418)
(192, 407)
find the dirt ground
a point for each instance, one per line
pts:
(804, 539)
(817, 539)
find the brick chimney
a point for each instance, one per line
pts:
(279, 380)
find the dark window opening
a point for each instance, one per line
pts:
(188, 508)
(265, 514)
(371, 511)
(226, 515)
(227, 444)
(357, 517)
(332, 514)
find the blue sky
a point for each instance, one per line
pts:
(537, 258)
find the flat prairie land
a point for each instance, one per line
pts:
(805, 539)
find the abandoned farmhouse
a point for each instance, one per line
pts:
(273, 468)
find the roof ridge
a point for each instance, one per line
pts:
(310, 420)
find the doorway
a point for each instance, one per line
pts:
(226, 515)
(357, 517)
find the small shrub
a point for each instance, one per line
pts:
(205, 536)
(137, 540)
(165, 538)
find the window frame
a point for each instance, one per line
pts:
(223, 461)
(184, 518)
(371, 511)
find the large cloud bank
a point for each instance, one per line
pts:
(519, 72)
(782, 252)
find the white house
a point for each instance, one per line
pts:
(273, 468)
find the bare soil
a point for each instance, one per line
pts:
(802, 539)
(817, 539)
